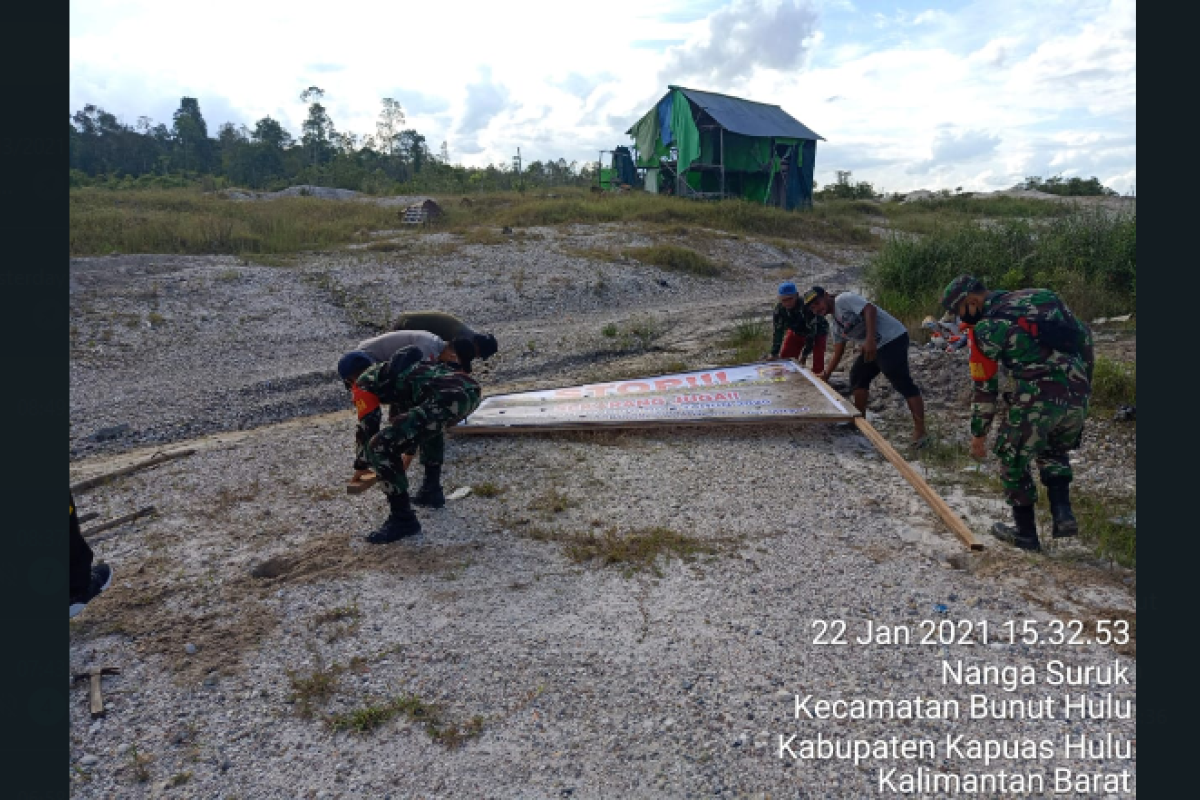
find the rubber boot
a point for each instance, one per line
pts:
(1024, 534)
(401, 522)
(430, 494)
(1065, 525)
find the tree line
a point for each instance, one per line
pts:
(1069, 187)
(394, 159)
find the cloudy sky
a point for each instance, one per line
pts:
(908, 94)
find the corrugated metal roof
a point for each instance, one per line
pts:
(748, 117)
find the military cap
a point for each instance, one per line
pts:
(958, 289)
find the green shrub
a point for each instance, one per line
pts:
(751, 337)
(1114, 383)
(1089, 257)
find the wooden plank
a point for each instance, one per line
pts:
(953, 522)
(360, 485)
(90, 533)
(825, 389)
(91, 483)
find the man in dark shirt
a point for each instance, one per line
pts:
(449, 328)
(790, 323)
(818, 333)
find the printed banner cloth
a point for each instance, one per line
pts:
(772, 390)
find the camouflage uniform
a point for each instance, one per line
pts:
(786, 319)
(1052, 386)
(425, 398)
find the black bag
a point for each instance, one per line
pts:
(1065, 337)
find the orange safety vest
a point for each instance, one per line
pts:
(982, 367)
(364, 401)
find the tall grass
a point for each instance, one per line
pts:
(189, 221)
(676, 259)
(750, 338)
(186, 220)
(1088, 256)
(1114, 383)
(965, 207)
(837, 222)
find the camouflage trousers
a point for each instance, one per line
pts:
(405, 432)
(431, 450)
(1042, 433)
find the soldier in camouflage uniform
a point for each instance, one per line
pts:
(1050, 355)
(789, 323)
(425, 398)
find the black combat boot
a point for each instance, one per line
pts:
(1059, 493)
(430, 493)
(400, 523)
(1024, 534)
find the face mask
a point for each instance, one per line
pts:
(970, 318)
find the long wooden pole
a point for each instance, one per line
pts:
(90, 533)
(150, 462)
(924, 489)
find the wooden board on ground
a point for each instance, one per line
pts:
(90, 533)
(926, 491)
(764, 392)
(159, 458)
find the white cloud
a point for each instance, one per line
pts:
(744, 36)
(979, 92)
(996, 53)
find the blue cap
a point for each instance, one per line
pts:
(787, 289)
(354, 362)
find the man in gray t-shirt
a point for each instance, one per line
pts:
(382, 348)
(451, 329)
(850, 323)
(883, 347)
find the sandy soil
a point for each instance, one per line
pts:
(250, 619)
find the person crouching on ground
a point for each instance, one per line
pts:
(449, 327)
(432, 451)
(1050, 355)
(425, 399)
(883, 347)
(790, 324)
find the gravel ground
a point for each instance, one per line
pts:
(565, 678)
(170, 347)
